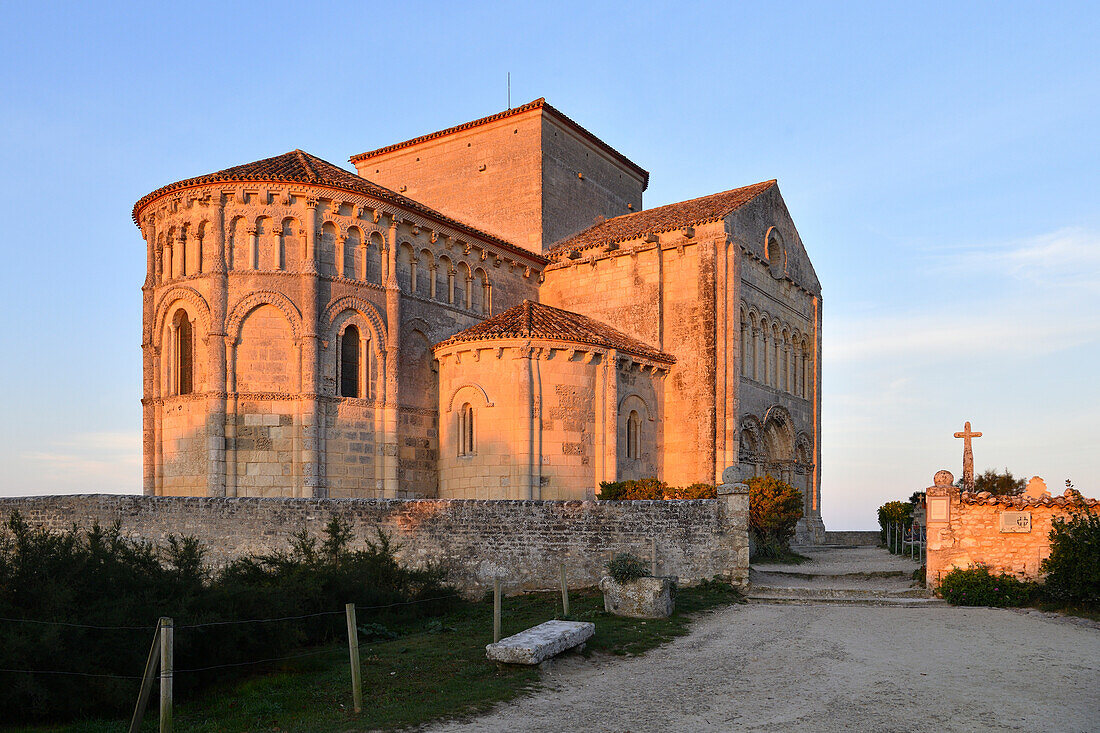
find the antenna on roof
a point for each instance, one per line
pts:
(509, 90)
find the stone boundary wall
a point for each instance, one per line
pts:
(522, 541)
(972, 533)
(860, 538)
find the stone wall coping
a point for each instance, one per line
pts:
(1068, 499)
(346, 501)
(738, 488)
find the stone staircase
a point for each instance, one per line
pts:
(861, 576)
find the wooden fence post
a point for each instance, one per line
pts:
(564, 593)
(146, 682)
(353, 653)
(166, 643)
(496, 610)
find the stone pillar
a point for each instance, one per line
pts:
(391, 438)
(611, 415)
(431, 283)
(529, 482)
(451, 272)
(341, 256)
(215, 346)
(231, 416)
(313, 484)
(148, 372)
(733, 514)
(941, 501)
(253, 248)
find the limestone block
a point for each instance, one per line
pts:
(641, 598)
(540, 642)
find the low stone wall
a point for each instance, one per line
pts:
(523, 541)
(853, 537)
(1010, 534)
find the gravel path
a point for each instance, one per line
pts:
(829, 668)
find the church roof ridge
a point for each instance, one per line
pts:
(539, 103)
(534, 320)
(699, 210)
(298, 166)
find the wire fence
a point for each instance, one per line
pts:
(202, 626)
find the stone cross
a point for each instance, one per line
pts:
(968, 456)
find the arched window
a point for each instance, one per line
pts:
(349, 362)
(633, 435)
(185, 348)
(466, 430)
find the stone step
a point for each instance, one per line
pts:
(765, 591)
(809, 575)
(879, 602)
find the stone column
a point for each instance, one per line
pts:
(215, 346)
(766, 343)
(231, 416)
(431, 284)
(391, 438)
(451, 272)
(253, 248)
(313, 484)
(148, 372)
(611, 415)
(341, 256)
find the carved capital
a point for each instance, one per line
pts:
(311, 202)
(251, 231)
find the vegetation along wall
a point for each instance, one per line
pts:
(523, 542)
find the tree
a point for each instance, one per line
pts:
(1003, 484)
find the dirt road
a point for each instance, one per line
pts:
(829, 668)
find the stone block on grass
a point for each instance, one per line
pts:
(540, 642)
(641, 598)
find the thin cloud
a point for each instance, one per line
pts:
(1068, 257)
(85, 463)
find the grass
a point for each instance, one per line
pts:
(435, 668)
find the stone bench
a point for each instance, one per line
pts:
(540, 642)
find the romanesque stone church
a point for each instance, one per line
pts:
(486, 312)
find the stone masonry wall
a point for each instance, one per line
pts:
(972, 535)
(523, 541)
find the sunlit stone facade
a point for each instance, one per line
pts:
(308, 332)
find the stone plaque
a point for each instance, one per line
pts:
(1015, 521)
(939, 508)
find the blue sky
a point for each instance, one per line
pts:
(940, 160)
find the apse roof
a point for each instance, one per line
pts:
(531, 320)
(298, 166)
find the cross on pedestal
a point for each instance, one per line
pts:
(968, 456)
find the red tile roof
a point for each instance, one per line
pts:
(530, 320)
(663, 218)
(539, 103)
(298, 166)
(1070, 498)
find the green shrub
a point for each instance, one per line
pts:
(774, 509)
(894, 512)
(976, 586)
(654, 490)
(632, 489)
(98, 577)
(625, 567)
(1073, 567)
(694, 491)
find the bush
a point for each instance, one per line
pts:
(976, 586)
(625, 567)
(894, 512)
(695, 491)
(632, 489)
(98, 577)
(654, 490)
(774, 509)
(1073, 567)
